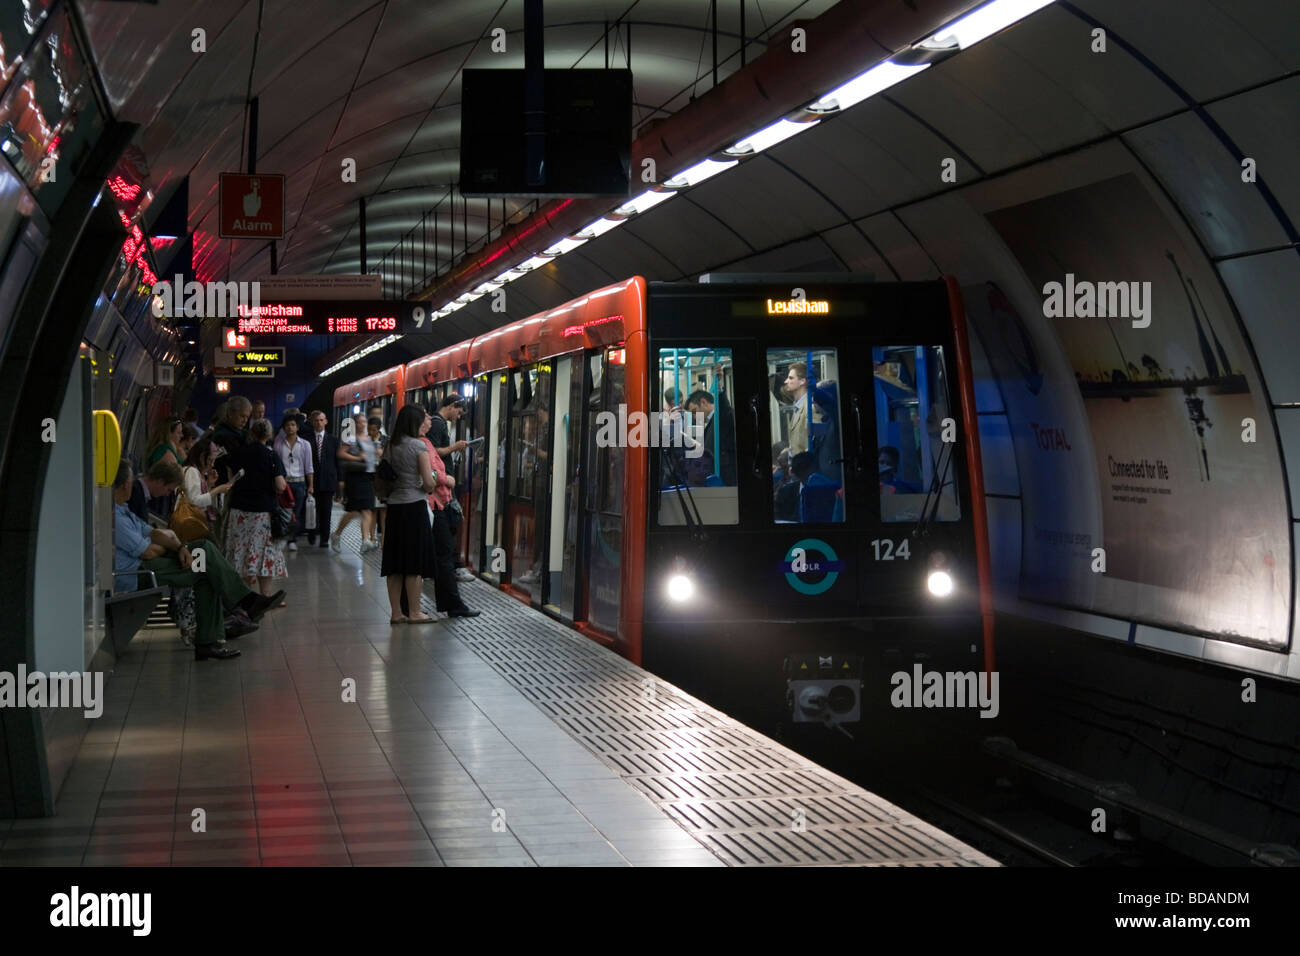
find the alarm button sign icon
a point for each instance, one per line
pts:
(252, 206)
(253, 202)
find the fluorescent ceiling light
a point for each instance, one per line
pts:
(768, 136)
(598, 228)
(880, 77)
(563, 246)
(528, 265)
(647, 200)
(982, 23)
(698, 173)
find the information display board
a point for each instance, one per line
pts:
(333, 317)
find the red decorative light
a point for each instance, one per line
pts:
(121, 188)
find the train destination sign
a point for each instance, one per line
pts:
(798, 307)
(334, 317)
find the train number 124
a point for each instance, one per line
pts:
(887, 551)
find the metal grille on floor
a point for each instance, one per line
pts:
(748, 799)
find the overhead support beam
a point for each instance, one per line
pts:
(534, 95)
(252, 136)
(713, 12)
(361, 218)
(742, 34)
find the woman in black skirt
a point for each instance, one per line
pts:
(409, 554)
(360, 458)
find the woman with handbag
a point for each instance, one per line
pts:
(409, 552)
(359, 462)
(200, 486)
(252, 502)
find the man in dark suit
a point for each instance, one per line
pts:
(324, 463)
(701, 404)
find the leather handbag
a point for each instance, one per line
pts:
(283, 523)
(385, 478)
(188, 520)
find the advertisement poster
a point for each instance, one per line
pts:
(1193, 517)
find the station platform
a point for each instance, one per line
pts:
(502, 740)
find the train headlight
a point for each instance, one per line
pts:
(939, 583)
(680, 587)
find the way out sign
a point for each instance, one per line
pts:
(252, 206)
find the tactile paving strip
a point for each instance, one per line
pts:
(749, 800)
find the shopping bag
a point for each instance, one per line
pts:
(309, 514)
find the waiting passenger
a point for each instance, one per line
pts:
(165, 442)
(325, 474)
(818, 495)
(217, 588)
(446, 590)
(409, 551)
(890, 483)
(231, 432)
(152, 493)
(201, 485)
(189, 435)
(359, 462)
(295, 456)
(450, 410)
(258, 411)
(252, 499)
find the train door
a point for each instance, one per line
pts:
(570, 390)
(528, 489)
(493, 512)
(601, 541)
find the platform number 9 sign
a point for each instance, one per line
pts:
(417, 314)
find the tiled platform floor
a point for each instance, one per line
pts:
(441, 760)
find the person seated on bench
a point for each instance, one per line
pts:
(138, 546)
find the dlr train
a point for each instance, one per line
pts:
(765, 492)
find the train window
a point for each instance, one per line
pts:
(696, 437)
(914, 455)
(807, 464)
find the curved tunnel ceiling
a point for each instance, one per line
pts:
(378, 83)
(1181, 94)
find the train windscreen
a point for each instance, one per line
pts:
(807, 461)
(914, 456)
(696, 432)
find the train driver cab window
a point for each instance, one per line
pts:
(695, 431)
(914, 460)
(807, 462)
